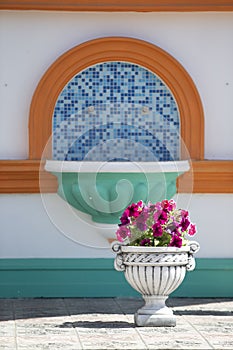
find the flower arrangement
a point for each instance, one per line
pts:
(160, 224)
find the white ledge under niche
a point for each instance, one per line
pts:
(116, 167)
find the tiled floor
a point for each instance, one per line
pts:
(72, 324)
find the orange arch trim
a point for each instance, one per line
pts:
(117, 49)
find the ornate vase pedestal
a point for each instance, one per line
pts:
(154, 313)
(155, 272)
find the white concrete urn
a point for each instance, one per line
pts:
(155, 272)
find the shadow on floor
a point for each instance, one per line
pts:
(11, 309)
(97, 324)
(203, 313)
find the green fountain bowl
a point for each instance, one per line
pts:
(104, 189)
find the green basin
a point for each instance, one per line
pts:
(104, 191)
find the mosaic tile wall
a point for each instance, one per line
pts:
(116, 111)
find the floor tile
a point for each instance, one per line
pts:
(48, 342)
(7, 343)
(7, 329)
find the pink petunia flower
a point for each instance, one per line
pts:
(135, 209)
(184, 224)
(184, 213)
(176, 241)
(122, 233)
(142, 218)
(157, 230)
(192, 230)
(168, 205)
(145, 242)
(125, 220)
(163, 217)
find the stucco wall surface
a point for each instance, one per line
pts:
(31, 41)
(32, 227)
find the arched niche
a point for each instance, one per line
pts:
(117, 49)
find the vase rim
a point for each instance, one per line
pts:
(140, 249)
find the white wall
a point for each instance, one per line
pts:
(31, 228)
(30, 42)
(35, 228)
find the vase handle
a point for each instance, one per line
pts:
(194, 247)
(118, 262)
(116, 247)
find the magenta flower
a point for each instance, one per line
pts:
(125, 220)
(157, 230)
(176, 241)
(156, 215)
(155, 207)
(122, 233)
(184, 224)
(192, 230)
(176, 232)
(173, 224)
(160, 216)
(135, 209)
(151, 207)
(184, 213)
(168, 205)
(145, 242)
(141, 219)
(163, 217)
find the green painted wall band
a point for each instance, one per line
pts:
(97, 278)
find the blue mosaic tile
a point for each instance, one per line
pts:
(113, 111)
